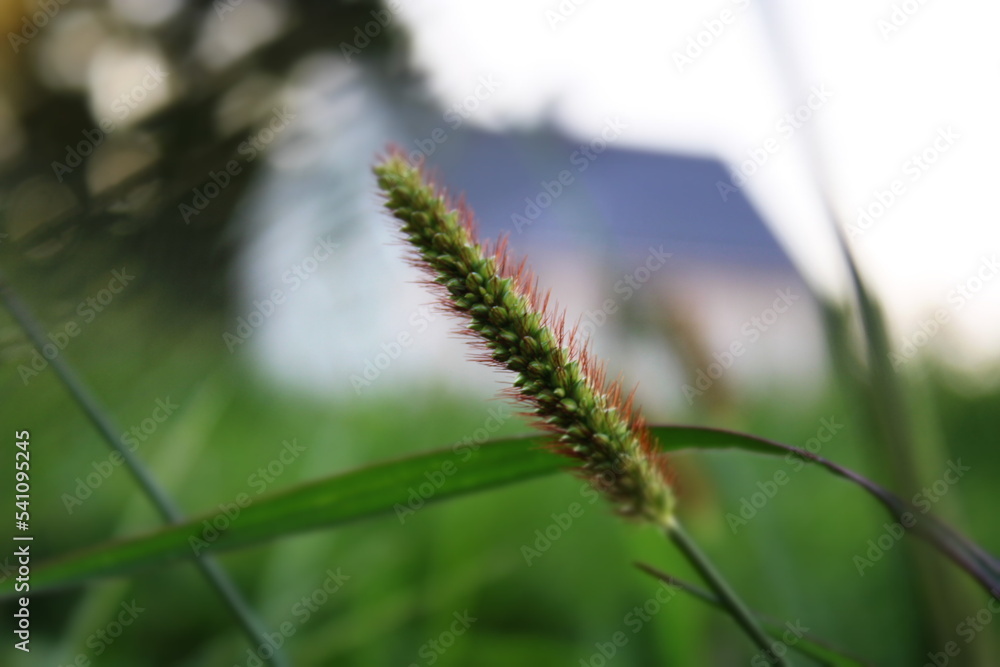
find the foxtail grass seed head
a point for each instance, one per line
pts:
(557, 379)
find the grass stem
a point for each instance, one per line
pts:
(723, 591)
(170, 513)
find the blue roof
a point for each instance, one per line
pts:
(622, 199)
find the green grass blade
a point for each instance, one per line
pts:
(102, 421)
(377, 489)
(729, 600)
(966, 554)
(806, 644)
(442, 474)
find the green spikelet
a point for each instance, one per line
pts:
(556, 378)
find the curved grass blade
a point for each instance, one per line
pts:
(382, 488)
(377, 489)
(974, 560)
(100, 418)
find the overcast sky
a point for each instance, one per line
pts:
(899, 97)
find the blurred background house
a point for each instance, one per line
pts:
(636, 245)
(218, 144)
(217, 141)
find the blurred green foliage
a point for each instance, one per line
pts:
(793, 560)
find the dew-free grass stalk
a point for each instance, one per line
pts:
(808, 645)
(557, 379)
(725, 594)
(170, 512)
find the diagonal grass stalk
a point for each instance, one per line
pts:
(557, 379)
(726, 595)
(808, 645)
(887, 407)
(170, 512)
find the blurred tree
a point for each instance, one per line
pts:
(122, 120)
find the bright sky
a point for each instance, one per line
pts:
(897, 94)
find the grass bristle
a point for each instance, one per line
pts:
(561, 383)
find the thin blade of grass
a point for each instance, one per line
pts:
(730, 601)
(328, 502)
(889, 411)
(102, 421)
(965, 553)
(807, 644)
(384, 488)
